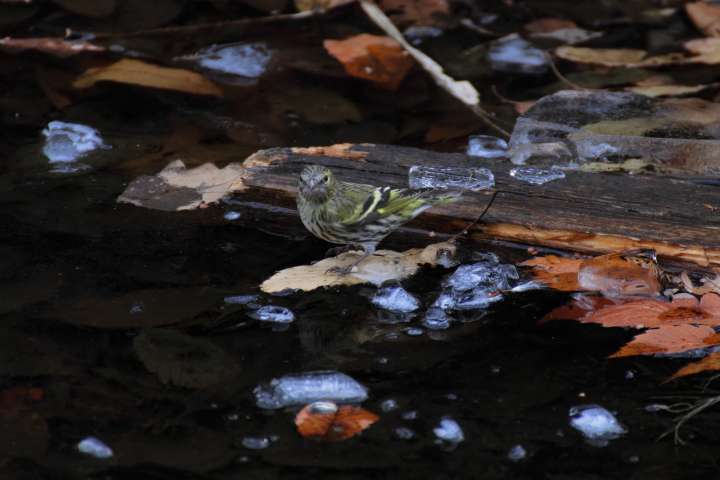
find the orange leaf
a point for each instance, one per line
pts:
(371, 57)
(415, 12)
(580, 307)
(705, 16)
(616, 274)
(711, 362)
(327, 421)
(667, 339)
(559, 273)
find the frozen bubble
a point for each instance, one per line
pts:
(241, 299)
(436, 319)
(307, 388)
(414, 331)
(232, 215)
(273, 314)
(514, 54)
(404, 433)
(410, 415)
(596, 423)
(95, 448)
(383, 360)
(449, 431)
(137, 308)
(487, 146)
(417, 33)
(629, 375)
(244, 59)
(68, 142)
(537, 176)
(451, 178)
(517, 453)
(256, 443)
(395, 299)
(389, 405)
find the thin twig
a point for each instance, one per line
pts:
(475, 222)
(562, 77)
(699, 407)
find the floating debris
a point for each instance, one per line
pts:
(487, 146)
(395, 299)
(514, 54)
(95, 448)
(232, 215)
(308, 388)
(241, 299)
(414, 331)
(474, 179)
(517, 453)
(415, 34)
(65, 143)
(404, 433)
(537, 176)
(256, 443)
(449, 431)
(273, 314)
(596, 423)
(389, 405)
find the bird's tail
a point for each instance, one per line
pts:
(440, 197)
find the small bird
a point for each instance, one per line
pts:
(357, 214)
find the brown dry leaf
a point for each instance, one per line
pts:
(376, 58)
(705, 16)
(619, 57)
(706, 50)
(579, 308)
(384, 265)
(136, 72)
(53, 45)
(415, 12)
(709, 363)
(670, 90)
(618, 274)
(549, 24)
(667, 339)
(558, 273)
(328, 421)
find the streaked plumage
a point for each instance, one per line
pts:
(358, 214)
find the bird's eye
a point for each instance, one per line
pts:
(326, 179)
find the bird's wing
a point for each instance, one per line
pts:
(373, 203)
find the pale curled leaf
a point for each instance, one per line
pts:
(384, 265)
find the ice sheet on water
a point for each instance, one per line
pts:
(514, 54)
(596, 423)
(487, 146)
(256, 443)
(395, 299)
(67, 142)
(449, 431)
(451, 178)
(436, 319)
(309, 387)
(244, 59)
(95, 448)
(273, 314)
(536, 175)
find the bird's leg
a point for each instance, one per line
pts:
(335, 251)
(369, 249)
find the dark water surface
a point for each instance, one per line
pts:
(81, 277)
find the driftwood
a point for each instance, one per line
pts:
(585, 212)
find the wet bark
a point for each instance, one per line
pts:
(585, 212)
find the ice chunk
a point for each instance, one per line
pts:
(487, 146)
(389, 405)
(451, 178)
(273, 314)
(256, 443)
(241, 299)
(307, 388)
(449, 431)
(436, 319)
(244, 59)
(95, 448)
(404, 433)
(68, 142)
(232, 215)
(596, 423)
(537, 176)
(517, 453)
(487, 273)
(514, 54)
(414, 331)
(395, 299)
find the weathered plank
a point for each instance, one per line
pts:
(586, 212)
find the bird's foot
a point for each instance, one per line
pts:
(341, 271)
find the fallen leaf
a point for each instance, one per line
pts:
(136, 72)
(579, 308)
(709, 363)
(384, 265)
(668, 339)
(178, 188)
(617, 274)
(558, 273)
(669, 90)
(328, 421)
(549, 24)
(618, 57)
(379, 59)
(705, 16)
(415, 12)
(59, 47)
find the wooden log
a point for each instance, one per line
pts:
(585, 212)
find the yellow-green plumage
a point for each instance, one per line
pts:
(358, 214)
